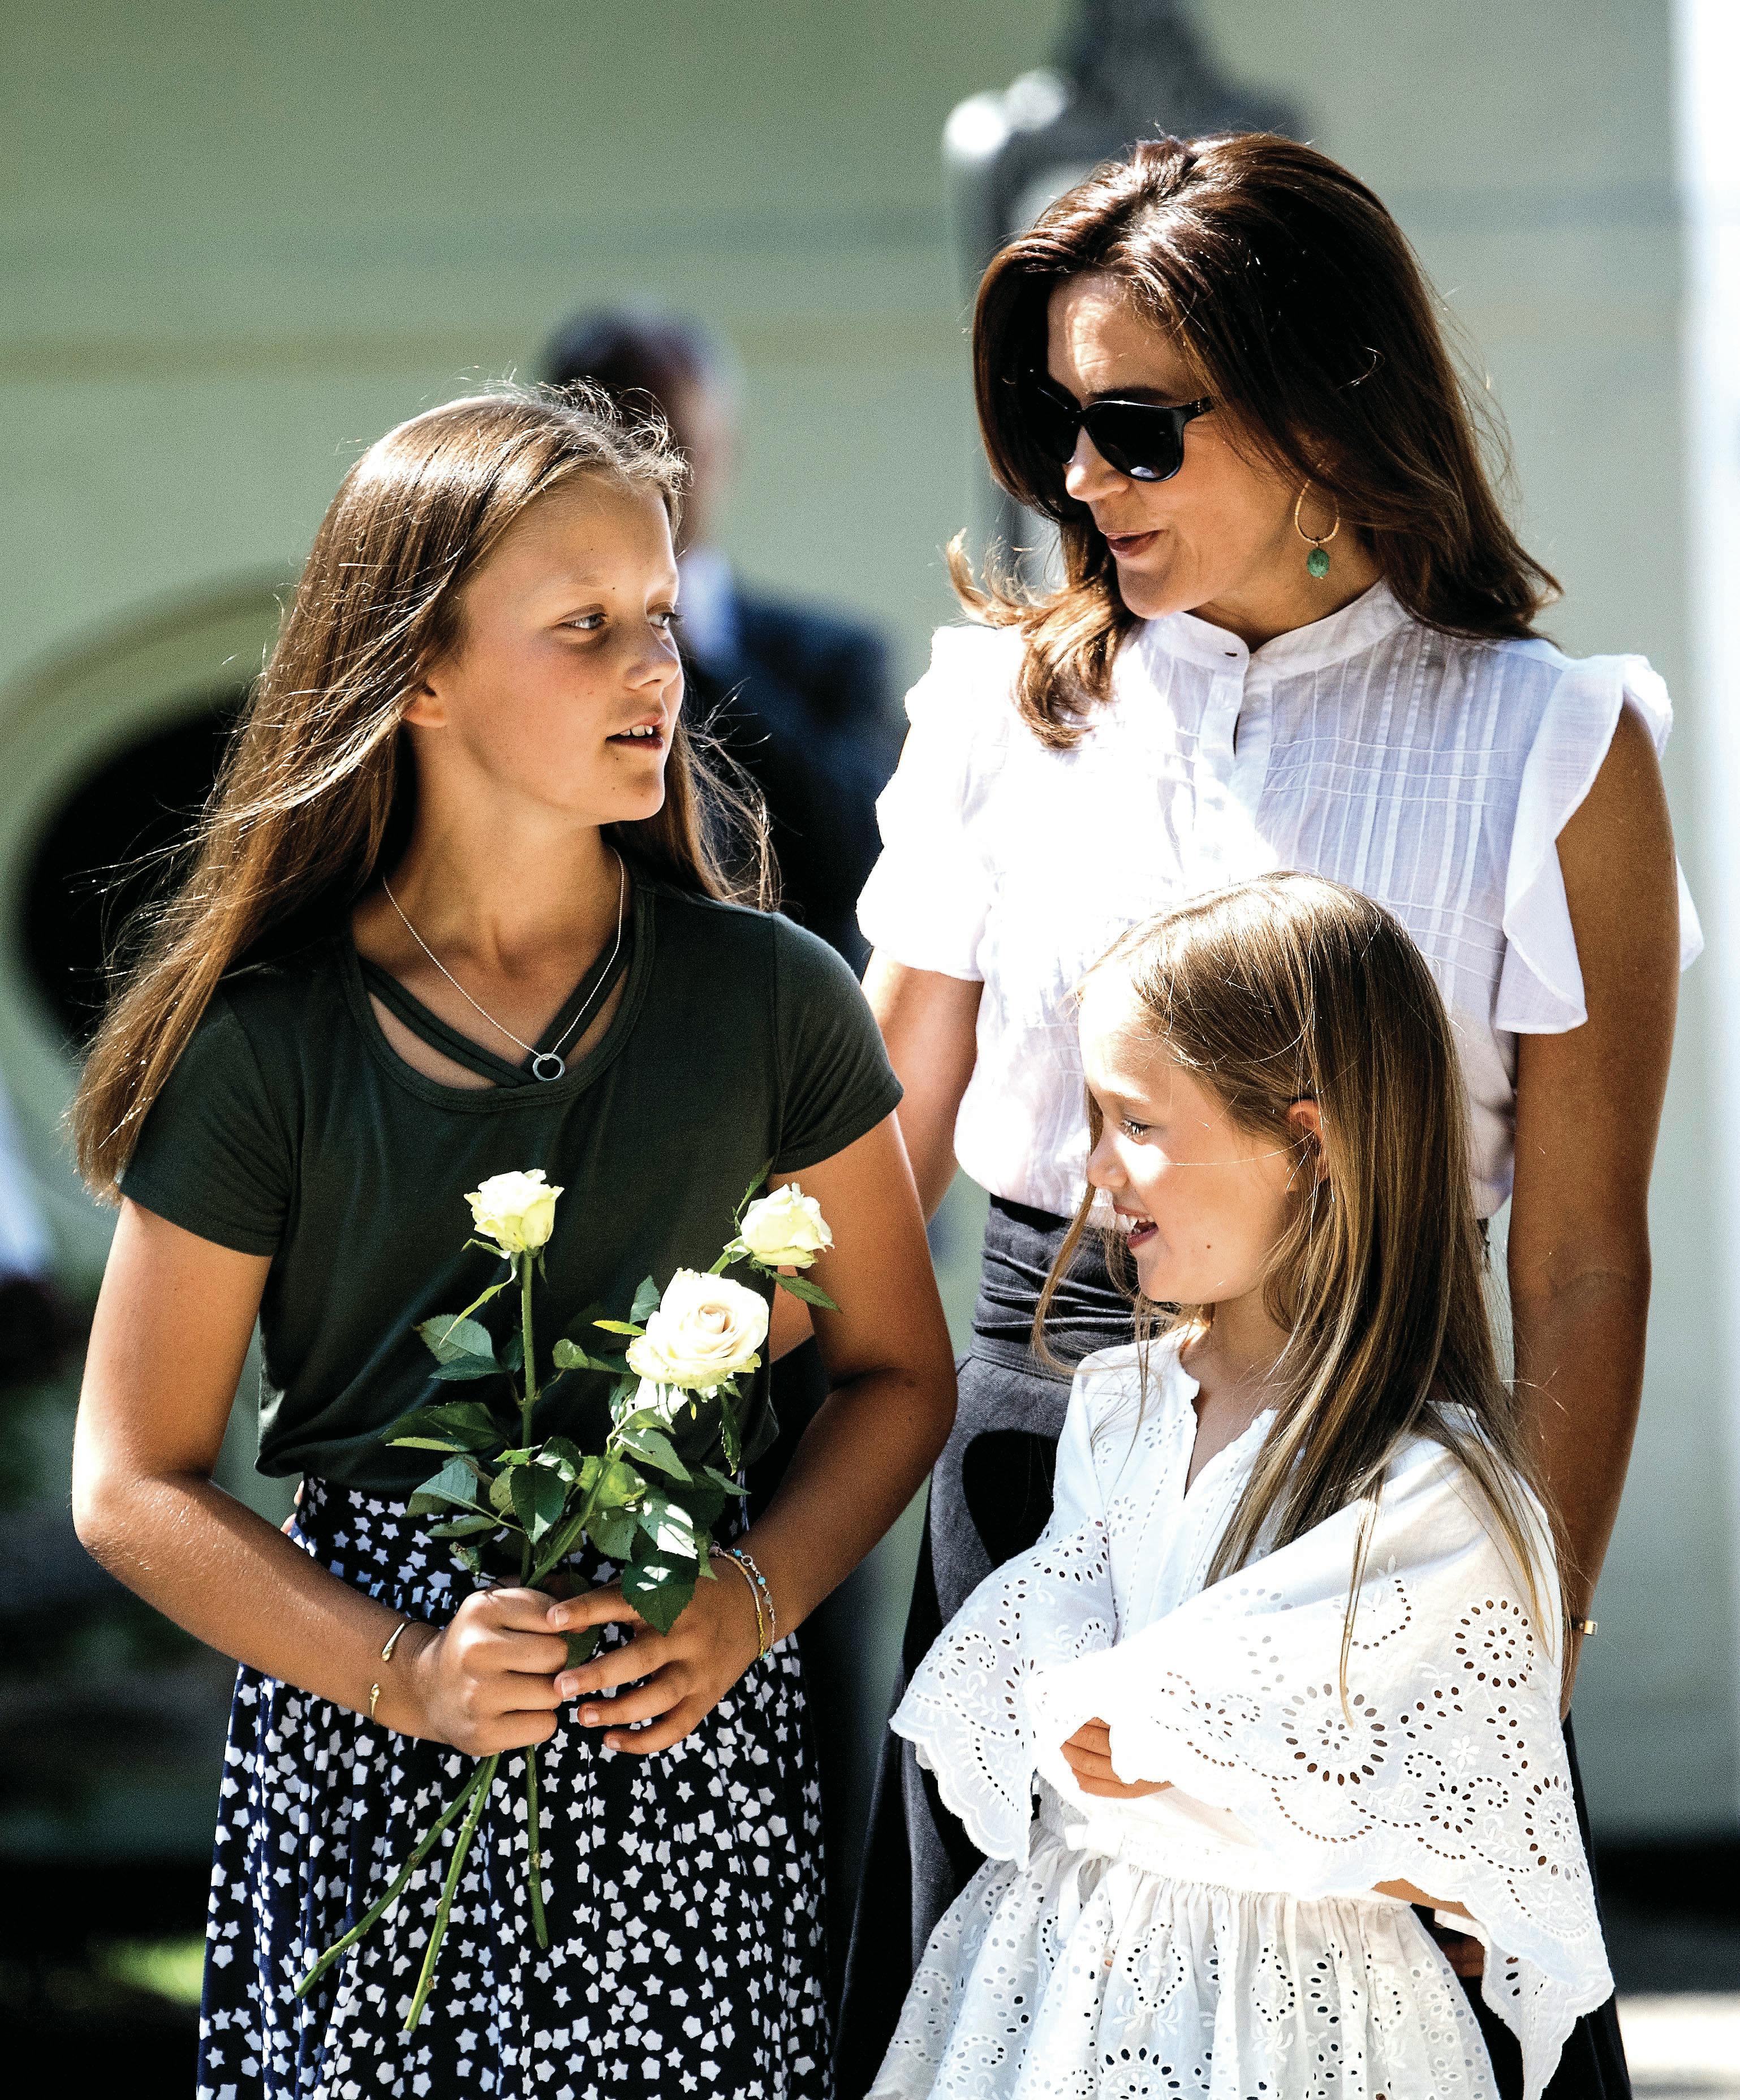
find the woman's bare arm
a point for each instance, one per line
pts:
(929, 1023)
(860, 1462)
(1588, 1108)
(167, 1345)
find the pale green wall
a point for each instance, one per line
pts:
(240, 240)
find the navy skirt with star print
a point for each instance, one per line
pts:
(683, 1891)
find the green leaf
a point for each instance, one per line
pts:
(561, 1542)
(646, 1302)
(733, 1486)
(618, 1327)
(513, 1352)
(462, 1527)
(501, 1490)
(459, 1425)
(467, 1367)
(582, 1646)
(470, 1559)
(613, 1532)
(703, 1501)
(454, 1487)
(655, 1448)
(569, 1356)
(659, 1589)
(670, 1526)
(618, 1484)
(448, 1336)
(564, 1455)
(812, 1293)
(539, 1495)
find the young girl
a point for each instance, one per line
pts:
(454, 912)
(1287, 1660)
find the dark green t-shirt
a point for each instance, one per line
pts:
(290, 1127)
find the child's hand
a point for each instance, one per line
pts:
(677, 1678)
(1089, 1755)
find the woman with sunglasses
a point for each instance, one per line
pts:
(1293, 630)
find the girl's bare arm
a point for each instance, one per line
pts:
(167, 1345)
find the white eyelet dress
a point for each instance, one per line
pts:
(1222, 1939)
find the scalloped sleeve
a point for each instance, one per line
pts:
(929, 895)
(965, 1711)
(1541, 985)
(1446, 1768)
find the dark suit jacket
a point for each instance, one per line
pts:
(803, 704)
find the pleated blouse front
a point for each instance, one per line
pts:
(1431, 773)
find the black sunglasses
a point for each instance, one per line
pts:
(1140, 439)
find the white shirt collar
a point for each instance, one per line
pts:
(1366, 619)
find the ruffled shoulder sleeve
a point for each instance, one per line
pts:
(1445, 1767)
(966, 1711)
(929, 893)
(1540, 987)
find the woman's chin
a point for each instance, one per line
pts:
(1151, 584)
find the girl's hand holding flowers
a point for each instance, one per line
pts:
(677, 1678)
(482, 1682)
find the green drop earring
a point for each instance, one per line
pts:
(1317, 562)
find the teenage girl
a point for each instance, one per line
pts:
(1287, 1661)
(454, 910)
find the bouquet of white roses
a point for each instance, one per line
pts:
(513, 1509)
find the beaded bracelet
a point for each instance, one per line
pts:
(746, 1561)
(762, 1644)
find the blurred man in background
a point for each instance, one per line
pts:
(800, 698)
(797, 696)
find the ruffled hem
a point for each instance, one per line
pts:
(1540, 987)
(965, 1712)
(1093, 1976)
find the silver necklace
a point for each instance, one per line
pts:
(545, 1063)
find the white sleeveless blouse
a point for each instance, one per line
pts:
(1432, 773)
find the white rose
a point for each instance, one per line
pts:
(707, 1329)
(785, 1229)
(518, 1212)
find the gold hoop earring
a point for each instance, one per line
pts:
(1317, 562)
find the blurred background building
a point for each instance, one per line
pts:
(243, 240)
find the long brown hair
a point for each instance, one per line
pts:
(1291, 988)
(1298, 305)
(313, 794)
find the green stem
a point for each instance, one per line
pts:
(450, 1889)
(529, 1367)
(535, 1849)
(419, 1853)
(528, 1401)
